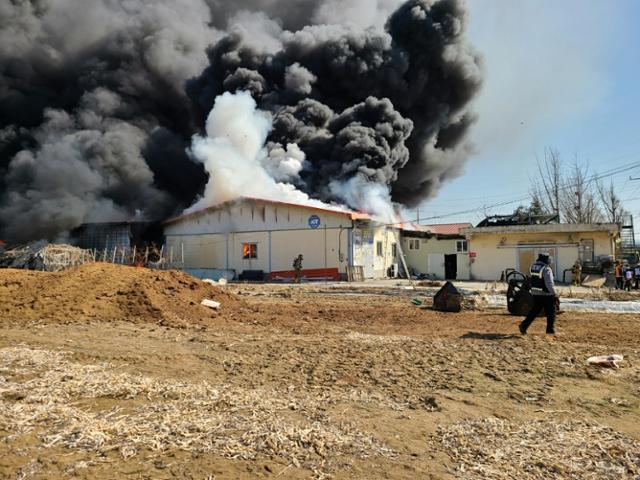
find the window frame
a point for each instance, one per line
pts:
(253, 250)
(379, 251)
(462, 246)
(586, 247)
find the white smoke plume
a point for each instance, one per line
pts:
(372, 198)
(235, 156)
(285, 164)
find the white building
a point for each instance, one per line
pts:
(438, 251)
(494, 249)
(257, 238)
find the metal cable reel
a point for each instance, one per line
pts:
(519, 297)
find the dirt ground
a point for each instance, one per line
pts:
(114, 372)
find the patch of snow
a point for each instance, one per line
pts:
(578, 305)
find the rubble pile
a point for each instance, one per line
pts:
(448, 299)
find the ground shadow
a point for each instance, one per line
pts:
(489, 336)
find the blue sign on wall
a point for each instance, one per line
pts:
(314, 221)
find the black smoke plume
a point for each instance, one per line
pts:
(98, 103)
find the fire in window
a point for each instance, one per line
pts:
(249, 250)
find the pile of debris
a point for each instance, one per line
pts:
(448, 299)
(44, 256)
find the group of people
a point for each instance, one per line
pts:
(627, 276)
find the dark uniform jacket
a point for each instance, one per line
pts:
(542, 280)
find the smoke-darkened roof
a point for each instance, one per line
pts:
(517, 219)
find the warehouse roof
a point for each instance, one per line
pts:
(328, 209)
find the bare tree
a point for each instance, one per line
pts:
(578, 199)
(611, 203)
(572, 195)
(547, 187)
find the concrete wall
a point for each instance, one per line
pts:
(496, 252)
(429, 258)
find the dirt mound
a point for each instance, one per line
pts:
(106, 292)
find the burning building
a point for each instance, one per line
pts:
(258, 239)
(120, 235)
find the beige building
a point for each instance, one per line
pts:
(256, 238)
(437, 251)
(494, 249)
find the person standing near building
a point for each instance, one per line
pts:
(628, 278)
(544, 295)
(617, 272)
(297, 268)
(576, 273)
(637, 275)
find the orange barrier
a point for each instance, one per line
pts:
(308, 274)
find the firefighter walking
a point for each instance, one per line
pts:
(544, 295)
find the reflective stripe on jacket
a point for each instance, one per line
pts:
(542, 279)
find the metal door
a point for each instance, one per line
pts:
(436, 265)
(451, 267)
(363, 254)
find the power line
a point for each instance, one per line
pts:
(607, 173)
(604, 174)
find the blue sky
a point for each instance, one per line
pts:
(562, 74)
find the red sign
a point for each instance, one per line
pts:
(473, 254)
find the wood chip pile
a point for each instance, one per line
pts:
(45, 257)
(496, 449)
(105, 292)
(43, 391)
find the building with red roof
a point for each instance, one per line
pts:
(437, 251)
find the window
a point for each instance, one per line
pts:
(249, 250)
(394, 250)
(586, 250)
(462, 246)
(379, 248)
(414, 244)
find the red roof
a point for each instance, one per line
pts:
(412, 227)
(448, 228)
(349, 213)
